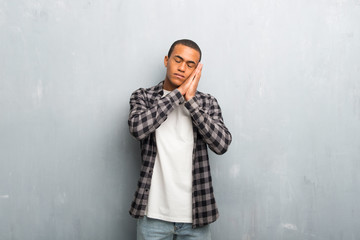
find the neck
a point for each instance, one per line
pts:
(167, 85)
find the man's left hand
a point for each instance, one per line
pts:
(190, 93)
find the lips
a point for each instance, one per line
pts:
(179, 75)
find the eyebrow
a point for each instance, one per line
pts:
(183, 59)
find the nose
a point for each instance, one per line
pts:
(182, 67)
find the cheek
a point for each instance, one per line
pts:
(169, 70)
(189, 72)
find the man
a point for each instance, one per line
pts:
(175, 124)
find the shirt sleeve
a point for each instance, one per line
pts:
(210, 124)
(146, 116)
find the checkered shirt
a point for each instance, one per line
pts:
(148, 110)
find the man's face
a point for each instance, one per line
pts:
(181, 63)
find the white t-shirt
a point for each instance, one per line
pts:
(171, 185)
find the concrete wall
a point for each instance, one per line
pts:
(286, 74)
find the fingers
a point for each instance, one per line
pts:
(197, 70)
(188, 88)
(185, 85)
(197, 76)
(190, 93)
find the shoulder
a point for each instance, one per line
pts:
(148, 92)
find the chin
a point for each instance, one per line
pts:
(177, 82)
(174, 83)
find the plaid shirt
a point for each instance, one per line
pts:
(148, 110)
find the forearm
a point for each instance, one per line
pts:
(146, 117)
(210, 125)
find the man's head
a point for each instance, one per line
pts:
(185, 42)
(182, 59)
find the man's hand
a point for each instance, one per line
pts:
(188, 88)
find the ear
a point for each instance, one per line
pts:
(166, 59)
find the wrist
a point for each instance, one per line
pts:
(181, 90)
(188, 97)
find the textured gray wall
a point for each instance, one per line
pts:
(286, 73)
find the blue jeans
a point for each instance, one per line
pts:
(154, 229)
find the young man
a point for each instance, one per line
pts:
(175, 124)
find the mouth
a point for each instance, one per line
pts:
(179, 76)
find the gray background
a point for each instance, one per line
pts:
(285, 72)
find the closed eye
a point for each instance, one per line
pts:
(177, 59)
(191, 65)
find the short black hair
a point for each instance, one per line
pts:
(185, 42)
